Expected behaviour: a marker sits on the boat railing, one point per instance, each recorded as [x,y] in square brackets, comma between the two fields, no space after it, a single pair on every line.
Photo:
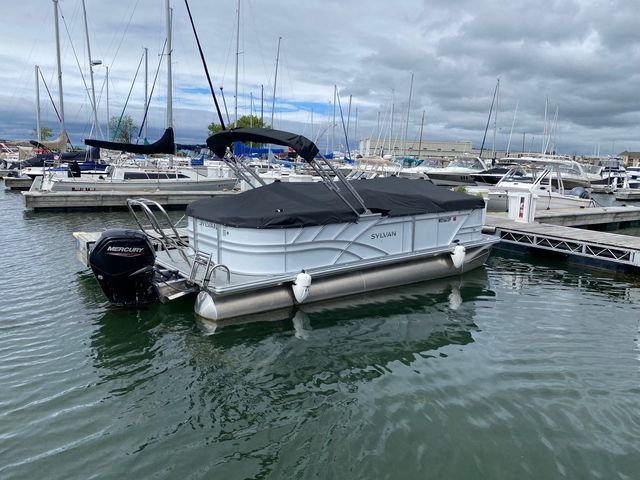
[201,259]
[171,242]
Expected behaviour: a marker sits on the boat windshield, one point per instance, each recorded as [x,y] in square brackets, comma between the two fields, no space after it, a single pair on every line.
[565,167]
[463,162]
[592,169]
[520,174]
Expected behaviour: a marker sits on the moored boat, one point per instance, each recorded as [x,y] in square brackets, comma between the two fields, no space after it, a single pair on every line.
[285,244]
[459,172]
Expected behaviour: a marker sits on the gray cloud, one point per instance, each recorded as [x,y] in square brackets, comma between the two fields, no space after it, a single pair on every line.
[581,55]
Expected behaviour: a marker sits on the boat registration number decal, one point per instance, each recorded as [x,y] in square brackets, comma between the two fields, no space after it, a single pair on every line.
[446,219]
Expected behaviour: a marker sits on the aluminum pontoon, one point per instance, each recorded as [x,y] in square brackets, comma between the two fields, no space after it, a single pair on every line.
[287,244]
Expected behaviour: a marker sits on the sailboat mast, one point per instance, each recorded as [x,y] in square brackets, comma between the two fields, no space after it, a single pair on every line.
[420,141]
[108,118]
[495,119]
[96,125]
[355,128]
[515,113]
[146,89]
[486,127]
[235,108]
[38,132]
[275,81]
[406,125]
[544,133]
[393,94]
[349,115]
[169,76]
[58,61]
[333,124]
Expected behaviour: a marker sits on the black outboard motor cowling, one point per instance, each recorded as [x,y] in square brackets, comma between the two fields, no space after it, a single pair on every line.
[123,262]
[580,192]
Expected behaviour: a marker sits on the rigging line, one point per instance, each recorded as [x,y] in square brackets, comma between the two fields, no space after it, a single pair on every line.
[206,68]
[344,128]
[21,83]
[115,55]
[117,129]
[153,86]
[54,105]
[86,87]
[226,62]
[254,28]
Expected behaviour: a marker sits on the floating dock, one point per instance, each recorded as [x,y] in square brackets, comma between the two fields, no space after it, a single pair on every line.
[95,200]
[597,249]
[18,183]
[611,218]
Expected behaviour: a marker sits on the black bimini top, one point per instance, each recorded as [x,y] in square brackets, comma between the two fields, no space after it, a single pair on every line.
[293,204]
[218,142]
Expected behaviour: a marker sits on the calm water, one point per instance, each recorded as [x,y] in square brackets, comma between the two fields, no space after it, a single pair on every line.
[524,369]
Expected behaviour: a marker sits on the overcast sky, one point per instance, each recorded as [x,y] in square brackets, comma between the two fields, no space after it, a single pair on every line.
[580,58]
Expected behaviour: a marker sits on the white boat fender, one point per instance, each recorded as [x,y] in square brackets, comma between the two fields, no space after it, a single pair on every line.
[458,255]
[301,286]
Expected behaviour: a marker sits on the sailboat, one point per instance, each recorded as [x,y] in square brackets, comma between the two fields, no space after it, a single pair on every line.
[127,176]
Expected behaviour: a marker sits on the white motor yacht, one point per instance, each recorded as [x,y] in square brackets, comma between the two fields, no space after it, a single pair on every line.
[541,183]
[458,172]
[572,173]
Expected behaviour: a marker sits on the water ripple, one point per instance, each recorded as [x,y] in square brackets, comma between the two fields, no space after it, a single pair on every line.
[526,369]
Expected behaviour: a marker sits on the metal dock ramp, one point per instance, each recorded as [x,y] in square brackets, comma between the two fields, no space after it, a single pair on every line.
[594,248]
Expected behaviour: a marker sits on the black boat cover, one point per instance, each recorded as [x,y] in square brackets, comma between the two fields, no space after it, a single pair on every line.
[164,145]
[218,142]
[40,159]
[292,204]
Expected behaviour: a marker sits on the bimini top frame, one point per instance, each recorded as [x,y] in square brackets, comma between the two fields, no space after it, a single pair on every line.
[219,142]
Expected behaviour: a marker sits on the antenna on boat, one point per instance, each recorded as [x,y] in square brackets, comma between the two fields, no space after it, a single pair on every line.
[206,69]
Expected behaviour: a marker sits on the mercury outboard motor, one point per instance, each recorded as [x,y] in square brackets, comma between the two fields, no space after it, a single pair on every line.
[580,192]
[123,262]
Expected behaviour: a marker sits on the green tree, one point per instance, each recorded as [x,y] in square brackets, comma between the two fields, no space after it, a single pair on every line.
[243,121]
[122,130]
[45,133]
